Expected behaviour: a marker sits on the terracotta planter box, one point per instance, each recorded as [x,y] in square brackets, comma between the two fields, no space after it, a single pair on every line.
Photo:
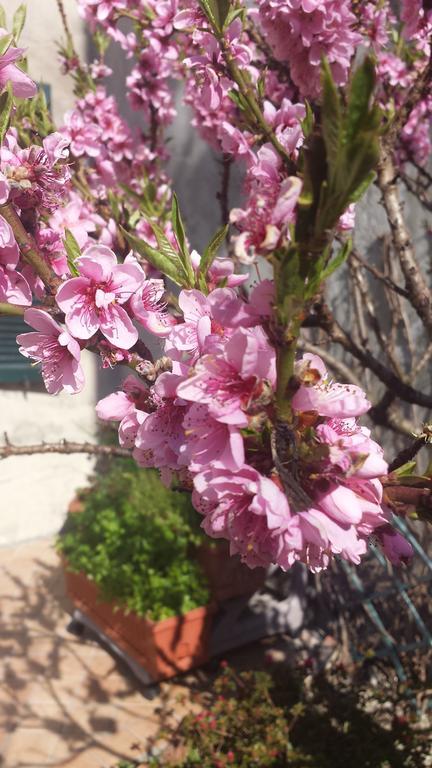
[163,648]
[227,576]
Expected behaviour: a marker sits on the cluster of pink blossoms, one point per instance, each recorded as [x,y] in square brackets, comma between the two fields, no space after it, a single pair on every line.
[207,422]
[204,413]
[301,32]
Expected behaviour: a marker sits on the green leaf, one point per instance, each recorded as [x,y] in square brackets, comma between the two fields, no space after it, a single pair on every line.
[233,14]
[180,234]
[178,226]
[3,21]
[5,43]
[18,22]
[73,251]
[223,9]
[6,103]
[160,261]
[362,187]
[359,98]
[331,118]
[308,121]
[405,469]
[211,250]
[337,260]
[238,99]
[211,10]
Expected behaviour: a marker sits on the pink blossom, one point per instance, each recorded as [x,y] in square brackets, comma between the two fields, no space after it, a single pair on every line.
[34,175]
[272,200]
[84,137]
[4,189]
[149,309]
[52,247]
[160,437]
[9,253]
[53,347]
[93,300]
[209,442]
[129,406]
[77,216]
[220,270]
[351,450]
[199,329]
[301,32]
[22,85]
[247,509]
[230,382]
[318,393]
[395,546]
[14,288]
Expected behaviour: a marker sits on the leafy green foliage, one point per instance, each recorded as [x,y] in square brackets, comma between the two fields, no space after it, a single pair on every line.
[18,21]
[167,262]
[179,231]
[33,113]
[240,726]
[135,538]
[216,11]
[6,102]
[351,137]
[337,164]
[73,251]
[5,43]
[249,720]
[209,256]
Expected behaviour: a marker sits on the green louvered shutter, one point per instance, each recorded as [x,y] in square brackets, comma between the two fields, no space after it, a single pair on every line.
[14,367]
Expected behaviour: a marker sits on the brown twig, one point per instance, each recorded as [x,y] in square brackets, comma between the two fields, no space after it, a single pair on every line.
[379,275]
[223,194]
[13,310]
[29,249]
[325,320]
[407,454]
[64,446]
[415,283]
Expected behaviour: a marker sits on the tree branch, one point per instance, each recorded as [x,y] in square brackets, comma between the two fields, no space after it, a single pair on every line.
[64,446]
[407,454]
[29,249]
[325,320]
[415,283]
[14,310]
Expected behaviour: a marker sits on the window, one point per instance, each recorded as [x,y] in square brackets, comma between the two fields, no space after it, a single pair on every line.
[15,369]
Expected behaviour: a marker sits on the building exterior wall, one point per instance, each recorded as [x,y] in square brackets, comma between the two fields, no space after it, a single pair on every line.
[35,490]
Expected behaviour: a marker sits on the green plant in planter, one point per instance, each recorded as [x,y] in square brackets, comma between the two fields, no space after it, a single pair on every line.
[134,539]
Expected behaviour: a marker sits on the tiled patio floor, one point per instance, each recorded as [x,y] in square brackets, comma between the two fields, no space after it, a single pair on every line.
[64,701]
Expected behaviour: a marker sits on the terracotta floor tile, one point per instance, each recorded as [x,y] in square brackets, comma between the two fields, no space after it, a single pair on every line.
[94,758]
[65,702]
[28,747]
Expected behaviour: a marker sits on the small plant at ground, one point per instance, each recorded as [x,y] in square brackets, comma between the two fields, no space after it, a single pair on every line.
[254,720]
[134,539]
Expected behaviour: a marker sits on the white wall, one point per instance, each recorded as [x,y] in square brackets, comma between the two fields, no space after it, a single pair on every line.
[36,490]
[42,31]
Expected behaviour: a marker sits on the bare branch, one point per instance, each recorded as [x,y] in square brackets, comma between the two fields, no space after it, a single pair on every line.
[380,275]
[13,310]
[64,446]
[325,320]
[408,454]
[415,283]
[29,249]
